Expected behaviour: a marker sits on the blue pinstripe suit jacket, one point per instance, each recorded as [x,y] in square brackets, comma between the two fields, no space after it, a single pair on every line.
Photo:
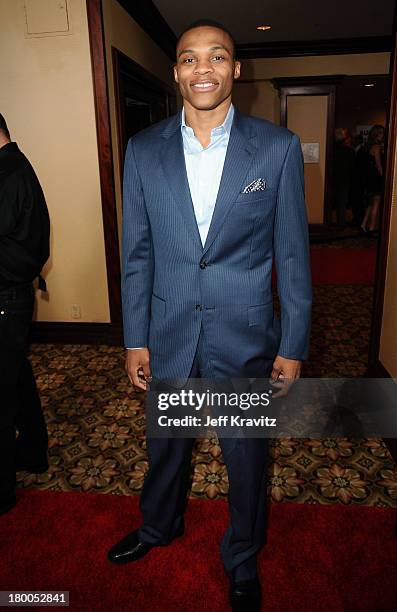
[167,295]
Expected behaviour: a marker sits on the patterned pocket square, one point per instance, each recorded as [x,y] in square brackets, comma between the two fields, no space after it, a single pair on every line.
[256,185]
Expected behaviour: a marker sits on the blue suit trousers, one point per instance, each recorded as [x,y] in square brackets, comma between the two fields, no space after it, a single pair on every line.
[164,494]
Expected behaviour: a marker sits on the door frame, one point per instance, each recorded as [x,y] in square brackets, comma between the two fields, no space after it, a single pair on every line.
[375,366]
[314,86]
[135,70]
[106,168]
[114,330]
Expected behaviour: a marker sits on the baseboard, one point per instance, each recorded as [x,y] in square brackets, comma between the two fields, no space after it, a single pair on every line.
[376,369]
[76,333]
[391,444]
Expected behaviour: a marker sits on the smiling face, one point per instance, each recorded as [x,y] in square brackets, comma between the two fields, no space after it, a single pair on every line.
[205,68]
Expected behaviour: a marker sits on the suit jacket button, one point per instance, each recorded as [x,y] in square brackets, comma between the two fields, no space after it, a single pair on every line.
[203,264]
[199,307]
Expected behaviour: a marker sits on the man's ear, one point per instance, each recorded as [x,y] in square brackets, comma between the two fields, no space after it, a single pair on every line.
[176,74]
[237,67]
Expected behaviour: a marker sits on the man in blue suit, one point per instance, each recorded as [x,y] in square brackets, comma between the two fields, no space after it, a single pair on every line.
[211,198]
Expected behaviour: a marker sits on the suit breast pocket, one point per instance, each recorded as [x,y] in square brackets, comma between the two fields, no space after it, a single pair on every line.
[256,198]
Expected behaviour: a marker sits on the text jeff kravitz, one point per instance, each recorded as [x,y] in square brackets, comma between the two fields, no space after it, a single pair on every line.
[225,420]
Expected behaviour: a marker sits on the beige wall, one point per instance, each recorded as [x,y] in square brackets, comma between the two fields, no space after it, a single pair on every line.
[47,99]
[255,95]
[388,339]
[257,98]
[307,116]
[260,98]
[358,63]
[127,36]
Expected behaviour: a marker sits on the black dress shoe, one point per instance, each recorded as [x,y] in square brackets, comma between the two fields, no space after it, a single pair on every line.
[128,549]
[245,596]
[131,548]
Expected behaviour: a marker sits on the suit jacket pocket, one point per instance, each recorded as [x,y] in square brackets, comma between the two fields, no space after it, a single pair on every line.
[262,314]
[256,196]
[158,309]
[157,333]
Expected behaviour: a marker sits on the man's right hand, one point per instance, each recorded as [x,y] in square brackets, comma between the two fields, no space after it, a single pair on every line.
[137,365]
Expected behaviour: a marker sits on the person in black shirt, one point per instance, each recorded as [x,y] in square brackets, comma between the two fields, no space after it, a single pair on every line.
[373,164]
[24,249]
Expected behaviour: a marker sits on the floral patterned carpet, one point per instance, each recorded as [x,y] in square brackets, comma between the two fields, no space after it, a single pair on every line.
[96,422]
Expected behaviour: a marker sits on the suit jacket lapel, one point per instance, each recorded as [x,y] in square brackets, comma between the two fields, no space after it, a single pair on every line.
[238,159]
[173,161]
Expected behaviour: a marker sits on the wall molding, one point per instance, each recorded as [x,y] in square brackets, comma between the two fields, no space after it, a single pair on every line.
[105,158]
[376,369]
[146,14]
[76,333]
[306,48]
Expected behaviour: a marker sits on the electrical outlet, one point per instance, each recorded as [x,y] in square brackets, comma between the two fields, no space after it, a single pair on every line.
[75,311]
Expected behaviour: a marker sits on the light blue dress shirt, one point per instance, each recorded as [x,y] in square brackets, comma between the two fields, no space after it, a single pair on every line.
[204,166]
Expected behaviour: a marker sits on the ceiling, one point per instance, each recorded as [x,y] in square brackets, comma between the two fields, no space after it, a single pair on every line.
[291,20]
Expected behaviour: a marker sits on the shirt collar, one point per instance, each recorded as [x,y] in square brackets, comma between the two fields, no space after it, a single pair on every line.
[226,125]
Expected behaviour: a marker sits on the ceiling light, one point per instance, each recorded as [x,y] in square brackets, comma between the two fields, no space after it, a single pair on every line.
[369,84]
[263,27]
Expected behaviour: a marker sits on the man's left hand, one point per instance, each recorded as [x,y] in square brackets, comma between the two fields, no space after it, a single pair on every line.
[284,373]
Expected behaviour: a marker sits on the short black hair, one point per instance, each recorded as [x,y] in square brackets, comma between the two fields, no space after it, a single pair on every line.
[3,126]
[209,23]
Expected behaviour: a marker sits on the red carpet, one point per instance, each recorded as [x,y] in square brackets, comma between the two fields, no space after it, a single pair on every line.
[317,557]
[343,266]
